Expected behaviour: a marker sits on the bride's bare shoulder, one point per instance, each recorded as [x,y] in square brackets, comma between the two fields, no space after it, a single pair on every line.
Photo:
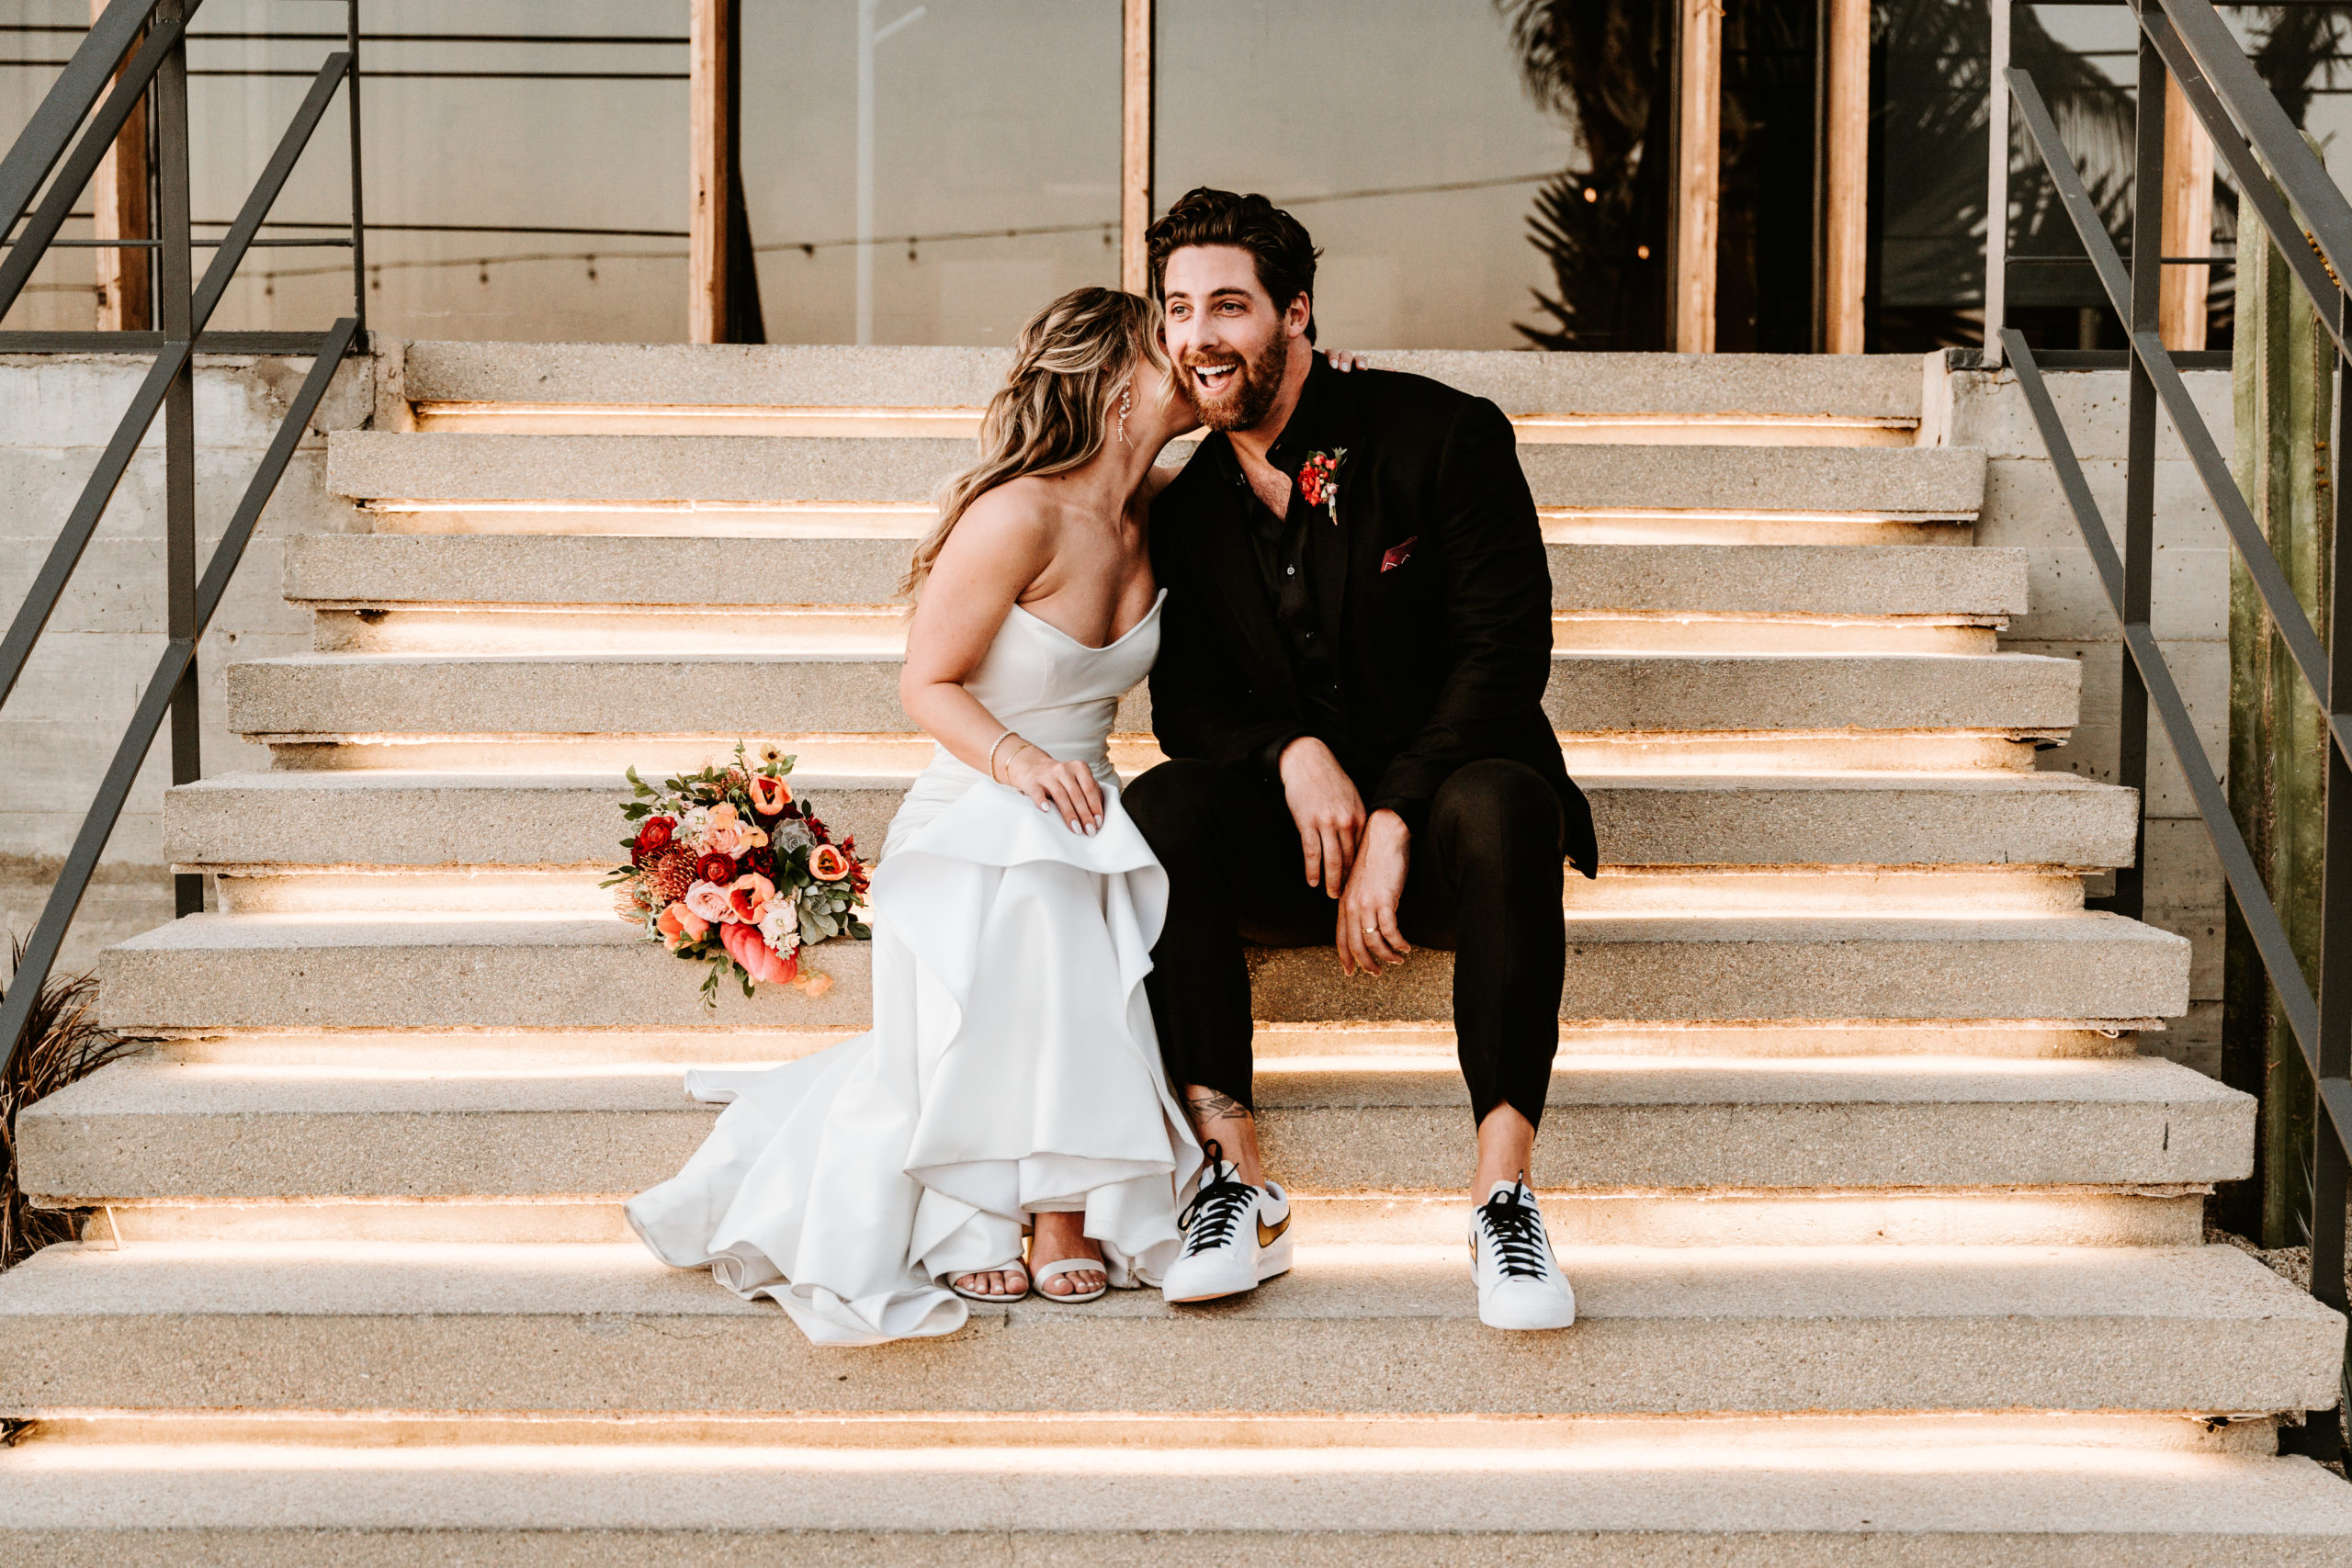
[1012,512]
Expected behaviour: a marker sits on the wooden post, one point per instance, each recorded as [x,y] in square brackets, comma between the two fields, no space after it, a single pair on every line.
[2188,224]
[1996,189]
[2283,374]
[118,205]
[1845,203]
[708,44]
[1136,147]
[1698,157]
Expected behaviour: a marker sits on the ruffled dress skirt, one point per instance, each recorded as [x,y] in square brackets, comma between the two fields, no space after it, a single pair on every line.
[1011,1069]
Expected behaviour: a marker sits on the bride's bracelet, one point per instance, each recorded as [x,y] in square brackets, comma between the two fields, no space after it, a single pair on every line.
[1000,741]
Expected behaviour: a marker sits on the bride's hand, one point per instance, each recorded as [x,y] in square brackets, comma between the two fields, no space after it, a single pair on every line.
[1067,787]
[1346,359]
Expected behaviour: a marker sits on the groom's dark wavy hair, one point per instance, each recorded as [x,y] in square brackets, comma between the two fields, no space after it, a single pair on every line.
[1276,242]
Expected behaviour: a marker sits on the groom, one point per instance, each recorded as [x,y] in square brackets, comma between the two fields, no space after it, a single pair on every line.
[1353,654]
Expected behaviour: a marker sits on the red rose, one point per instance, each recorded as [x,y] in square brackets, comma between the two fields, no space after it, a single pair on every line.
[654,835]
[716,868]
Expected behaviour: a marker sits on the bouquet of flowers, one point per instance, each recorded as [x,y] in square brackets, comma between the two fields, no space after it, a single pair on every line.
[724,868]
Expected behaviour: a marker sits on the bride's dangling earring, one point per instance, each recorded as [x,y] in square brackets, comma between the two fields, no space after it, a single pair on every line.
[1126,402]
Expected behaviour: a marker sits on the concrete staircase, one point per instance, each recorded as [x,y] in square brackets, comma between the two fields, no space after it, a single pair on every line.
[1888,1246]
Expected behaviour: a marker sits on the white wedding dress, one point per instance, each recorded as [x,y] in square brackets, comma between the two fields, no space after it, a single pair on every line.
[1012,1067]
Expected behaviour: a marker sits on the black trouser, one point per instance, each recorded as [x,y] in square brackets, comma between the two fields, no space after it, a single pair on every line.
[1483,881]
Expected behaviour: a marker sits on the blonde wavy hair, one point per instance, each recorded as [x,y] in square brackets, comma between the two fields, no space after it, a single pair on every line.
[1056,409]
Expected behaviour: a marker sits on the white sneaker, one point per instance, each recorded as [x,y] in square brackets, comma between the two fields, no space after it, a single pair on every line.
[1519,1283]
[1236,1235]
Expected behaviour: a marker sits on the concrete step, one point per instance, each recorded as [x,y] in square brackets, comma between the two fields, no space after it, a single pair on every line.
[1368,1330]
[393,572]
[155,1127]
[2171,1215]
[495,594]
[1880,484]
[1880,387]
[1627,1504]
[399,818]
[882,630]
[212,973]
[775,694]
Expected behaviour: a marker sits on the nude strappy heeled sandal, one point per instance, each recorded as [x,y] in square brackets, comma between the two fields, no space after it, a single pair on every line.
[1061,1266]
[1015,1267]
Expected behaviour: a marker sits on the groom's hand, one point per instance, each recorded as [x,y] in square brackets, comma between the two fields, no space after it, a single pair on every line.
[1329,811]
[1368,937]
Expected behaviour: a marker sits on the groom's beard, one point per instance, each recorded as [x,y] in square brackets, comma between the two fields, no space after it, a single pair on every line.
[1249,392]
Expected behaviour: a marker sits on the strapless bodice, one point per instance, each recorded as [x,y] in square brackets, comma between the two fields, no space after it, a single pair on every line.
[1057,692]
[1051,689]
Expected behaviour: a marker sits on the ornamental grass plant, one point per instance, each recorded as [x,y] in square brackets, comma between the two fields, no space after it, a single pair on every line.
[63,1042]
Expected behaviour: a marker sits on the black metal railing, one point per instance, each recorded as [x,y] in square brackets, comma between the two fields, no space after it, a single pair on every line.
[138,49]
[2311,223]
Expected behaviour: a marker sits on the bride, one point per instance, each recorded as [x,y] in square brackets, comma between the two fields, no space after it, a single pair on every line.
[1011,1081]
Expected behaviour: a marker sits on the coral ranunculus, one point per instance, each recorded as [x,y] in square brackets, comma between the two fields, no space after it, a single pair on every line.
[747,947]
[748,899]
[769,796]
[654,835]
[679,926]
[827,863]
[709,900]
[715,867]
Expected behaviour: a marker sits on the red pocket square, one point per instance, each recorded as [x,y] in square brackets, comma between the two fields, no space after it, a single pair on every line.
[1400,555]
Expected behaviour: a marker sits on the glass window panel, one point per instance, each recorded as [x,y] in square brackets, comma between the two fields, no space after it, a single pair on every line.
[505,155]
[1346,112]
[995,162]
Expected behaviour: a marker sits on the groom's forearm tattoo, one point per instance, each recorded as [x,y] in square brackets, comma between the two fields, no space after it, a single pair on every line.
[1208,1105]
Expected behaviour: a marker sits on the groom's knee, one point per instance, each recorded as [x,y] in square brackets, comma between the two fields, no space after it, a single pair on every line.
[1501,819]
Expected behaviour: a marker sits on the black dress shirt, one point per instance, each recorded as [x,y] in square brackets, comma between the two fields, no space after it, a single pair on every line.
[1287,570]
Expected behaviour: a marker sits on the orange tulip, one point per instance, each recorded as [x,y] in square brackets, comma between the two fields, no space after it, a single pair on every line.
[827,863]
[747,896]
[769,796]
[679,926]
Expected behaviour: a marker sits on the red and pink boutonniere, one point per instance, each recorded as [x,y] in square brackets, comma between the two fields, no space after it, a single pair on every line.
[1318,480]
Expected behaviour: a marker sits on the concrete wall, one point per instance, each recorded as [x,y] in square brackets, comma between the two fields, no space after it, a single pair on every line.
[59,728]
[2070,618]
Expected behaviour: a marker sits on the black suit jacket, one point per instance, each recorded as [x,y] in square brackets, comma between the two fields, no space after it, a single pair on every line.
[1433,590]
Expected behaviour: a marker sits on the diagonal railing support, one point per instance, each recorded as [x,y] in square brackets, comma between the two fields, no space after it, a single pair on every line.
[178,660]
[2286,189]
